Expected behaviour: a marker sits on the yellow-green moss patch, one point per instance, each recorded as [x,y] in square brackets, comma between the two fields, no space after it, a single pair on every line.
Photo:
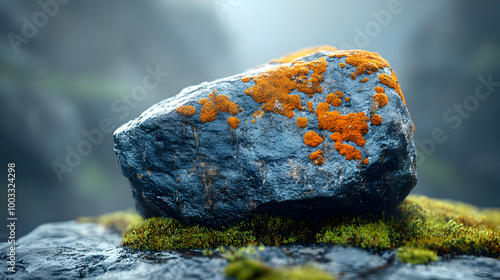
[250,269]
[166,233]
[419,222]
[416,255]
[118,221]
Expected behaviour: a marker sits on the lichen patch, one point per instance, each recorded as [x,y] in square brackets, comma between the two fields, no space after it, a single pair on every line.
[186,110]
[218,103]
[274,86]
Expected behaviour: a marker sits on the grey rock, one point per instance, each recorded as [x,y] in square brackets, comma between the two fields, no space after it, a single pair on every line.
[69,250]
[214,175]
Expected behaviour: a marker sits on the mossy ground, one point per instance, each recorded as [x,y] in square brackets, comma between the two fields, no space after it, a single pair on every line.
[250,269]
[441,226]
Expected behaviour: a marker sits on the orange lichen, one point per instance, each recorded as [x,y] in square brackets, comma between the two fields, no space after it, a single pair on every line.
[302,122]
[311,86]
[214,104]
[392,81]
[310,106]
[381,99]
[349,127]
[312,139]
[412,125]
[224,105]
[303,52]
[317,157]
[387,80]
[336,137]
[209,110]
[334,99]
[348,151]
[363,60]
[376,119]
[186,110]
[371,61]
[273,87]
[259,114]
[233,122]
[318,66]
[321,108]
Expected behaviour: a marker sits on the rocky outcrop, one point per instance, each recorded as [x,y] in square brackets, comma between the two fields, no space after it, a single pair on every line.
[317,133]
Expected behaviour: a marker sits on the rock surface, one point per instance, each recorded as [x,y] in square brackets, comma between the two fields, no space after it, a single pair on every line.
[325,134]
[68,250]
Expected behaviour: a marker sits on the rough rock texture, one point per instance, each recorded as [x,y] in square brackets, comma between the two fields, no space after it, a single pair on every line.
[325,134]
[68,250]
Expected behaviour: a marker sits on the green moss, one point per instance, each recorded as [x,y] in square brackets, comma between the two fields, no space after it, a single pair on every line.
[250,269]
[247,269]
[359,233]
[457,228]
[416,255]
[437,225]
[165,233]
[118,221]
[245,265]
[232,253]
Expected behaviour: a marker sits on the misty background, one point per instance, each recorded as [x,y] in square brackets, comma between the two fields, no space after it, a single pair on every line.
[66,66]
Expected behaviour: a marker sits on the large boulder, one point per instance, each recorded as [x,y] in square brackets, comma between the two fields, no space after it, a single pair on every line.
[319,132]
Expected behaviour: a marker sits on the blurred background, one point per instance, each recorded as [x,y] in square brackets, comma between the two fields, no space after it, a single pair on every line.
[67,67]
